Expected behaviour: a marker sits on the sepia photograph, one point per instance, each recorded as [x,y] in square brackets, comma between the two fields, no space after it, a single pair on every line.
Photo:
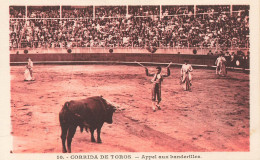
[127,81]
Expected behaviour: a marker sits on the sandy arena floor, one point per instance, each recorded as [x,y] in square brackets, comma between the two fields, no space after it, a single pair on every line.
[214,116]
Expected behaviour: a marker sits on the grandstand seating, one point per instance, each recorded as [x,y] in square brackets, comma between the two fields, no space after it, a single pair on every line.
[129,26]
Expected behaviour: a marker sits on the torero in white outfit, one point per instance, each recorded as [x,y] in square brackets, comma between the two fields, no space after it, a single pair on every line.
[218,64]
[28,75]
[221,65]
[186,69]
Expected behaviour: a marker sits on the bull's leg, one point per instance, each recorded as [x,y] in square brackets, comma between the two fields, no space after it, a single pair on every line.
[72,130]
[64,130]
[92,135]
[98,135]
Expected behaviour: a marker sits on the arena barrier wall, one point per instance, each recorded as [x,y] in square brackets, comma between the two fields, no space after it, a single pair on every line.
[207,60]
[200,51]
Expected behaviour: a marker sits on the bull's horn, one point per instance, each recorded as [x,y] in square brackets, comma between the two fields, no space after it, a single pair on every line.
[115,108]
[109,102]
[116,105]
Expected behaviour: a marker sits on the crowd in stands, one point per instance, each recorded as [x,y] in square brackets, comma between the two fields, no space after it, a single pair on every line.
[177,10]
[144,10]
[240,8]
[138,30]
[110,11]
[43,12]
[77,12]
[17,11]
[210,9]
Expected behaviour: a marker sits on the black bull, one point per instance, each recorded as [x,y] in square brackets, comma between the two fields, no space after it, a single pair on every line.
[87,113]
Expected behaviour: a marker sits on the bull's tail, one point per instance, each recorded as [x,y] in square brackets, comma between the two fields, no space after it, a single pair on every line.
[63,113]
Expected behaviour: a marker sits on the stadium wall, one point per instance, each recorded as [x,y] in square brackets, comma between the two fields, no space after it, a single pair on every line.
[208,60]
[200,51]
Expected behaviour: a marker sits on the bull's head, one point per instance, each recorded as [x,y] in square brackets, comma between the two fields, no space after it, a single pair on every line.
[109,115]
